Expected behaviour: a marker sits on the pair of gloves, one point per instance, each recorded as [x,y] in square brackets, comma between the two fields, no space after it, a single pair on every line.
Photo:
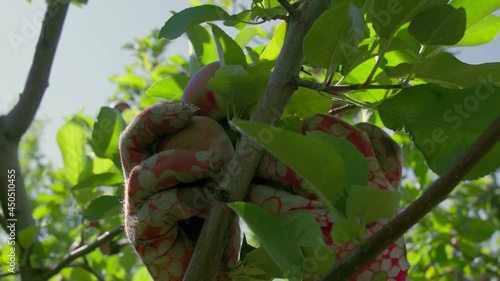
[167,195]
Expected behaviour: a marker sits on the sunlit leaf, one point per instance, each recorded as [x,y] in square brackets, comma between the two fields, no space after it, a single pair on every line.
[273,49]
[481,32]
[447,70]
[334,36]
[444,122]
[370,204]
[176,25]
[301,154]
[170,88]
[103,207]
[273,237]
[229,51]
[106,132]
[71,138]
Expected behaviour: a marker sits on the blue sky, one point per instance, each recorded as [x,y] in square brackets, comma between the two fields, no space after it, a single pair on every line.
[90,51]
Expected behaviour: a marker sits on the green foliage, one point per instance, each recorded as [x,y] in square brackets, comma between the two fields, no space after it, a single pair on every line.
[439,25]
[444,122]
[334,36]
[361,42]
[180,22]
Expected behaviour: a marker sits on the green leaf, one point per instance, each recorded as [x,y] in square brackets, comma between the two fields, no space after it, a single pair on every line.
[319,259]
[258,265]
[204,49]
[476,10]
[476,229]
[71,138]
[347,230]
[233,85]
[229,51]
[273,238]
[371,204]
[252,55]
[439,25]
[170,88]
[106,132]
[273,49]
[239,20]
[269,13]
[27,236]
[301,154]
[182,21]
[104,179]
[334,36]
[388,16]
[481,32]
[306,102]
[444,122]
[447,70]
[301,226]
[244,36]
[103,207]
[130,80]
[355,163]
[306,232]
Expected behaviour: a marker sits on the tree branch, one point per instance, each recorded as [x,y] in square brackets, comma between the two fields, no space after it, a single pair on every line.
[16,122]
[79,252]
[248,153]
[292,11]
[435,194]
[342,88]
[22,115]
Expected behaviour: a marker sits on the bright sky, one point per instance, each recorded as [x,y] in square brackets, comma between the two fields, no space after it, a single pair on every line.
[90,51]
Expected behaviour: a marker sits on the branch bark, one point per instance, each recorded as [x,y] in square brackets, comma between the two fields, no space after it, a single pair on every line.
[17,121]
[207,256]
[435,194]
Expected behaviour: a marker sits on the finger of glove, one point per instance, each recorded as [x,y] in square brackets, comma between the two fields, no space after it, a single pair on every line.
[157,236]
[168,169]
[140,136]
[165,229]
[387,151]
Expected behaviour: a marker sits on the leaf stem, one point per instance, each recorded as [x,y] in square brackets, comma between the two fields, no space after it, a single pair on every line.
[380,55]
[414,66]
[435,194]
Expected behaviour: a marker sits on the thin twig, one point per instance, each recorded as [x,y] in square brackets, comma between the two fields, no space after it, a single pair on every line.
[248,153]
[336,89]
[79,252]
[294,13]
[435,194]
[342,109]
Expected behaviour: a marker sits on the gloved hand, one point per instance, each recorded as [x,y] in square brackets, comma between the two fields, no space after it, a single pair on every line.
[165,194]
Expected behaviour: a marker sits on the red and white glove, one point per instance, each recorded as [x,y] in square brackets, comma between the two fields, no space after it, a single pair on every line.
[166,195]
